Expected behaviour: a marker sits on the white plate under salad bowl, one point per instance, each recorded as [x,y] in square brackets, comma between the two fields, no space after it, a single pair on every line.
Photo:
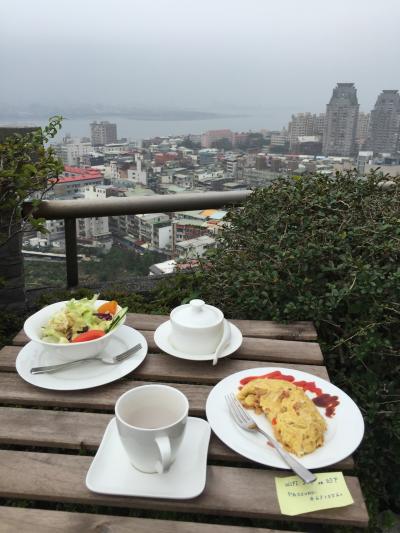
[85,376]
[71,351]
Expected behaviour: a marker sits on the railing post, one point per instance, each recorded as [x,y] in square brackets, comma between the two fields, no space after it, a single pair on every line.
[71,252]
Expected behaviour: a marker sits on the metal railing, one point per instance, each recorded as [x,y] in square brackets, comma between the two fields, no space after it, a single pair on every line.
[70,210]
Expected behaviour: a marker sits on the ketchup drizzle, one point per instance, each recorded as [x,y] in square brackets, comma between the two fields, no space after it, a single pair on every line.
[327,401]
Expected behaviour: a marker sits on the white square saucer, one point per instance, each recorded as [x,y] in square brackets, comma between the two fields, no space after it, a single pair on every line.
[112,473]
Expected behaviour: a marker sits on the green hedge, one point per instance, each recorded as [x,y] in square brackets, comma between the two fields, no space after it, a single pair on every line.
[327,250]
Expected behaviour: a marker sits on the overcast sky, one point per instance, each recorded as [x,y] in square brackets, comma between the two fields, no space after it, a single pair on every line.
[198,54]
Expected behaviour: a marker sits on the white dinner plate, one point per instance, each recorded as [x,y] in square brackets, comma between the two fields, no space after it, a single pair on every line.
[162,339]
[87,375]
[344,433]
[112,473]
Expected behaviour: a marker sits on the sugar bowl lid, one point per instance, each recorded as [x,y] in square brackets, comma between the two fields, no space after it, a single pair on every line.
[196,314]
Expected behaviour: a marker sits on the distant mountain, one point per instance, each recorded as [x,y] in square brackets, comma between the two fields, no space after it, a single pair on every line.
[36,111]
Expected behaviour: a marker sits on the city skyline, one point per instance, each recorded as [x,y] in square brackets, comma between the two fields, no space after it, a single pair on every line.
[313,125]
[222,57]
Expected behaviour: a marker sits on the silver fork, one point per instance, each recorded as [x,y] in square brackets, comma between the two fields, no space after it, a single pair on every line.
[244,420]
[63,366]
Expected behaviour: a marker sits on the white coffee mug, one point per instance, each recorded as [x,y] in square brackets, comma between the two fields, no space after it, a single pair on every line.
[151,421]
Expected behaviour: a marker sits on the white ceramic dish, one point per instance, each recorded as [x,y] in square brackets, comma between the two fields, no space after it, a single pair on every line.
[112,473]
[344,434]
[71,351]
[197,327]
[162,339]
[87,375]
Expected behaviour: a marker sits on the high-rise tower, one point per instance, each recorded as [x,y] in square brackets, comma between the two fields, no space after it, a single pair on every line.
[103,133]
[341,121]
[384,126]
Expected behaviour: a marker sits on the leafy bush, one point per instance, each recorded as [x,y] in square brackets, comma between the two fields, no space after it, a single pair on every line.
[28,170]
[327,250]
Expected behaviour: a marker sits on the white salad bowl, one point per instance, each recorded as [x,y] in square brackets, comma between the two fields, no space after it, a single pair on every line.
[71,351]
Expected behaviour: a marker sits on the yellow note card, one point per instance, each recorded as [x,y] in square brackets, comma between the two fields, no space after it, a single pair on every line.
[328,491]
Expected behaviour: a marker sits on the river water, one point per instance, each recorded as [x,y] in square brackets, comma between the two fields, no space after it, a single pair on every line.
[137,130]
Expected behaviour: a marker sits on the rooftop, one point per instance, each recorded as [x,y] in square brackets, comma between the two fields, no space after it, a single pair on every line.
[198,241]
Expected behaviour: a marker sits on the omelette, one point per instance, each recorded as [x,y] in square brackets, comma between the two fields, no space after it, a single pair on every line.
[296,422]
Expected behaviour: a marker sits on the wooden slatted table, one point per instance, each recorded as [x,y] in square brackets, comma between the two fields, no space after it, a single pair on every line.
[48,439]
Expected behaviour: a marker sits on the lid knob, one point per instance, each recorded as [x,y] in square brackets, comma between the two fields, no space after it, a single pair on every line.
[197,305]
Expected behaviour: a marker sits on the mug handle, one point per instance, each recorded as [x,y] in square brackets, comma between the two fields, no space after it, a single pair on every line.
[164,447]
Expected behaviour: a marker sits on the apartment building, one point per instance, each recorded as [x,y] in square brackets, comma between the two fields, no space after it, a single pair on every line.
[103,133]
[115,149]
[384,127]
[233,165]
[185,229]
[207,156]
[301,124]
[193,248]
[186,180]
[308,145]
[341,121]
[305,125]
[160,158]
[189,225]
[95,230]
[55,233]
[73,181]
[280,139]
[208,138]
[319,124]
[152,228]
[74,153]
[139,174]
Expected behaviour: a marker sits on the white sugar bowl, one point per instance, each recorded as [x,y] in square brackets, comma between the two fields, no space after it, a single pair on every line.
[196,328]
